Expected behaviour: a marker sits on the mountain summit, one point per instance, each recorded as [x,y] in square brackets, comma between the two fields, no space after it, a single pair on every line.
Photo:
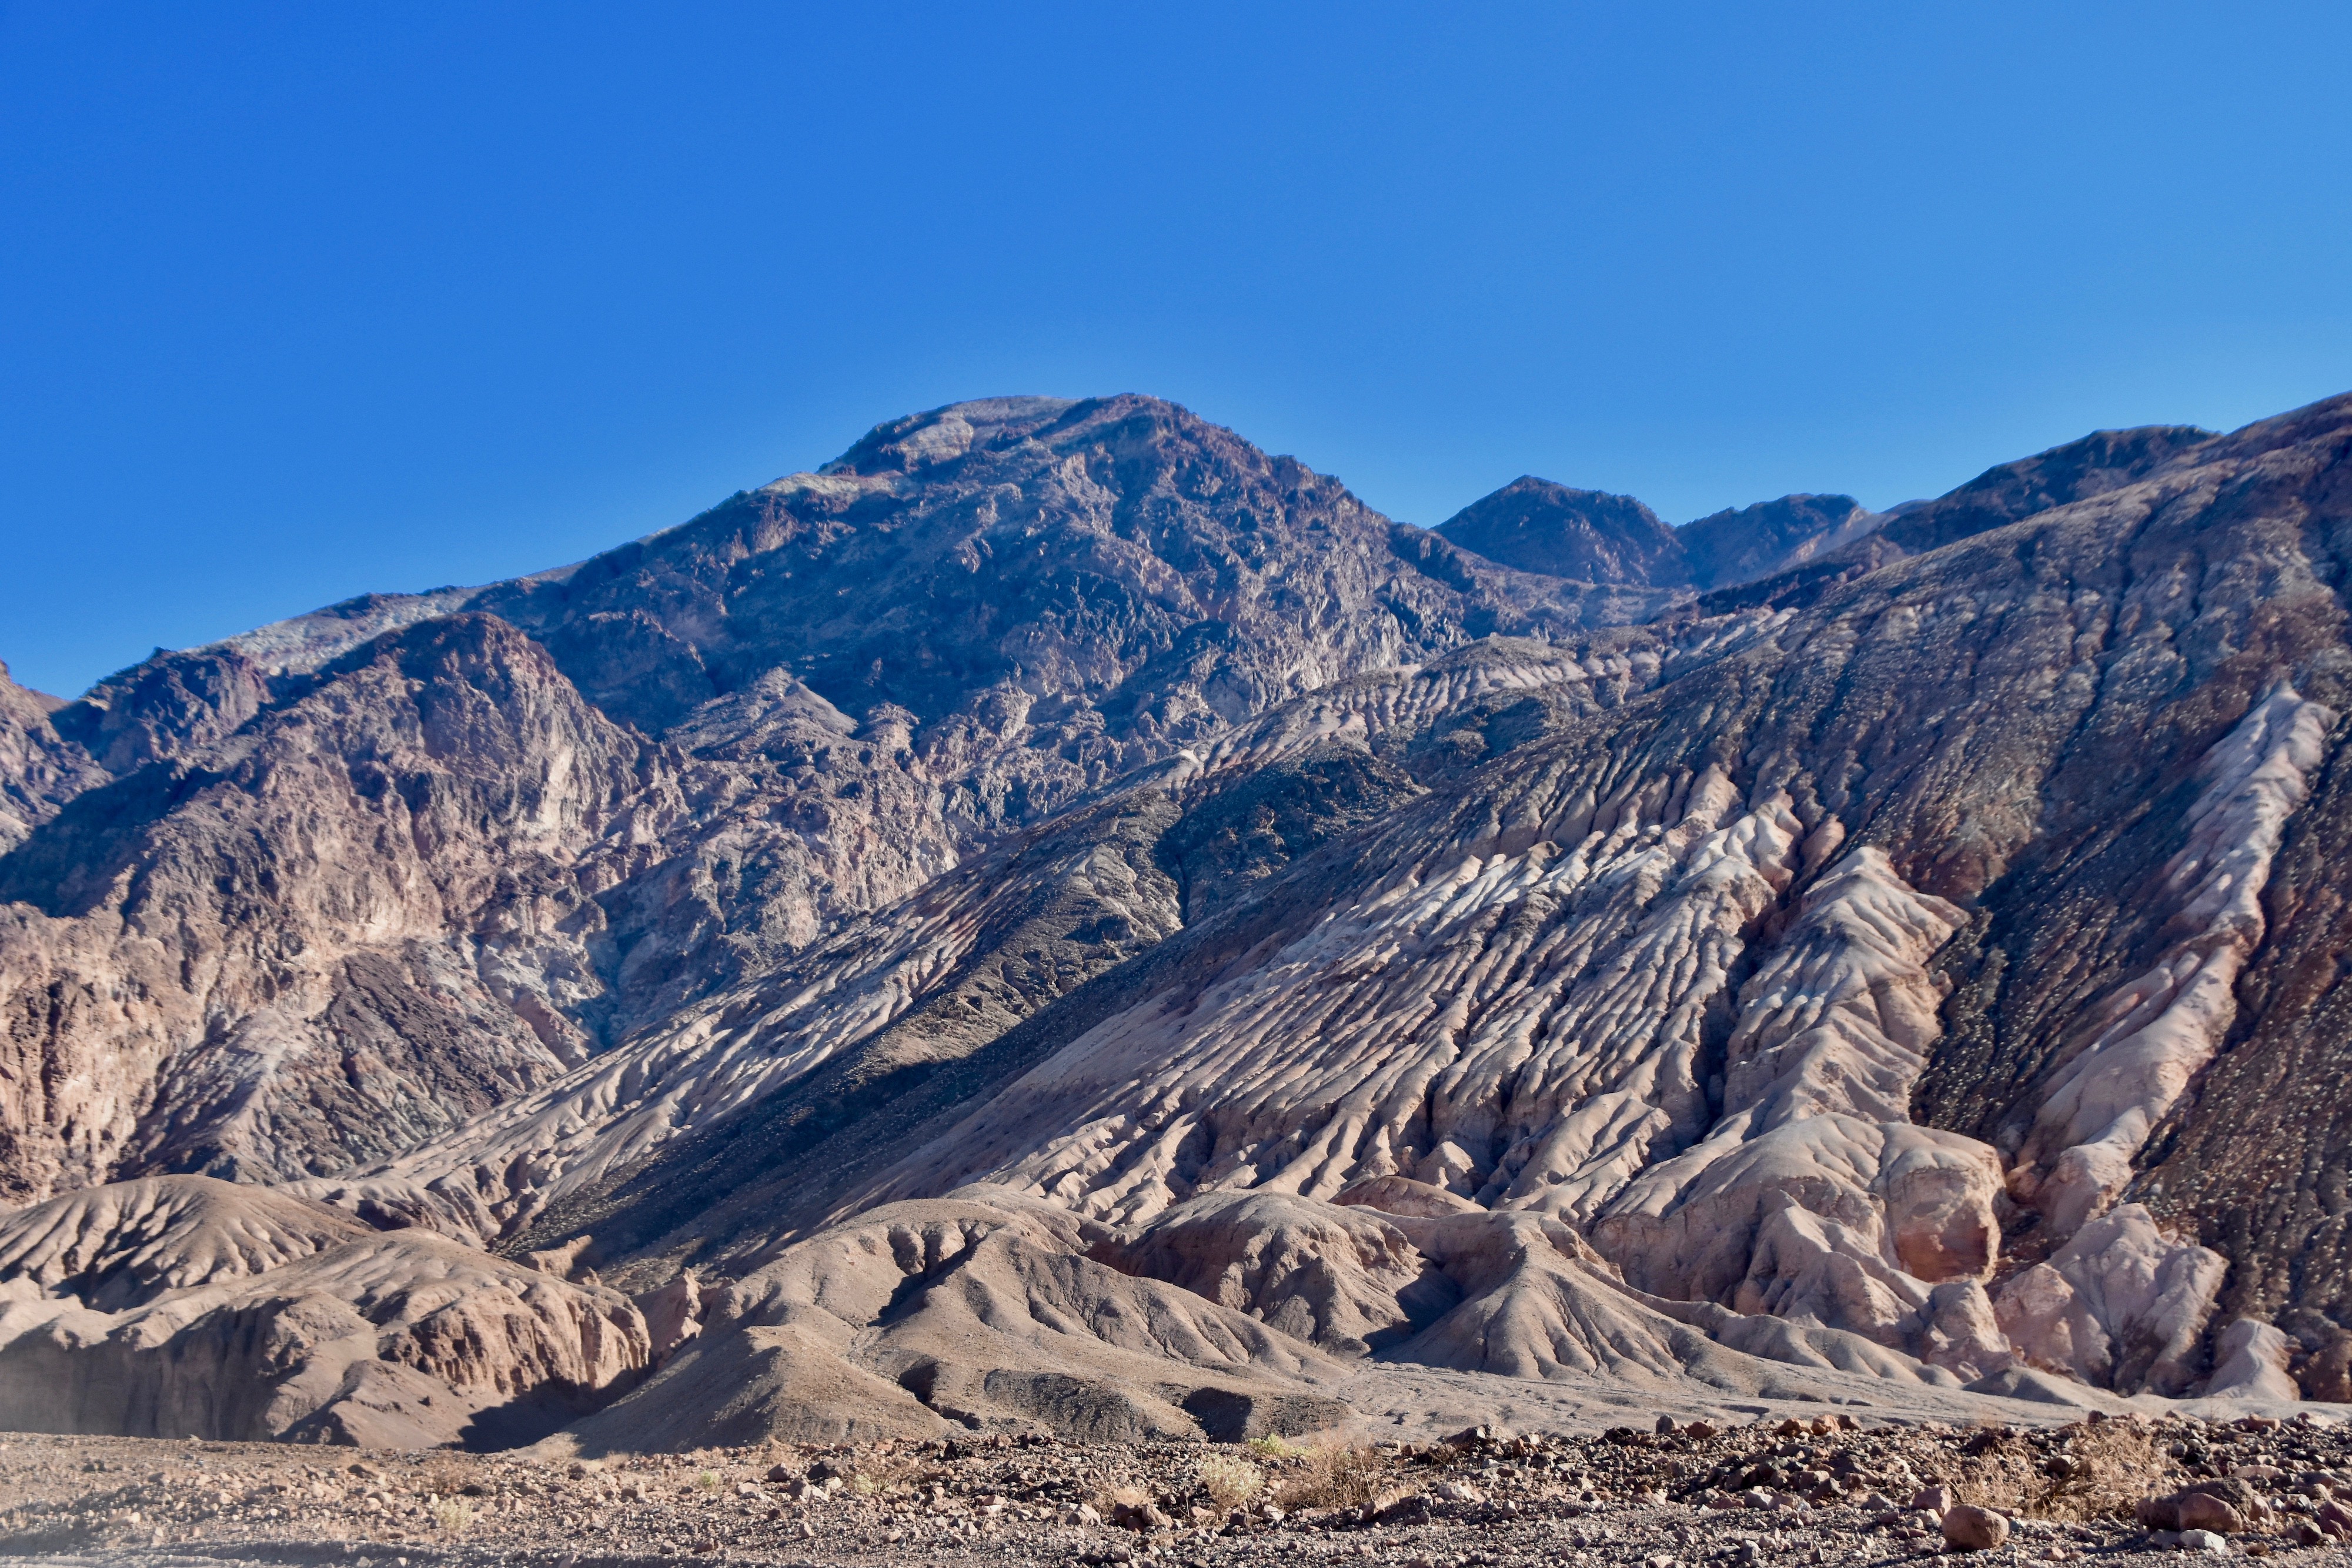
[1591,537]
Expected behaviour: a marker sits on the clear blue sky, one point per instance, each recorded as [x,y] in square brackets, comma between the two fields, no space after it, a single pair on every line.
[298,301]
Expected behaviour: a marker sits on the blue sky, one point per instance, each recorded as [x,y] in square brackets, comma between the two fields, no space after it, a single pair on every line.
[301,301]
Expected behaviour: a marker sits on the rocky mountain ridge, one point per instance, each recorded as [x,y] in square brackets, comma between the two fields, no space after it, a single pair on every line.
[1589,536]
[1870,942]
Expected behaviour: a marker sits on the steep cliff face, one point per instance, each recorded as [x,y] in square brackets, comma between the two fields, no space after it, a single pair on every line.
[352,925]
[1889,955]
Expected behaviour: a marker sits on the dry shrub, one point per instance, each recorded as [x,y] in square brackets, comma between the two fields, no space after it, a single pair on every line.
[1335,1477]
[452,1515]
[442,1476]
[2117,1464]
[879,1473]
[1998,1476]
[1230,1479]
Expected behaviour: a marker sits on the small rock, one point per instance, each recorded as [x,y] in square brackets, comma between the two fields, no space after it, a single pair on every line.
[1974,1529]
[2202,1540]
[782,1473]
[1934,1499]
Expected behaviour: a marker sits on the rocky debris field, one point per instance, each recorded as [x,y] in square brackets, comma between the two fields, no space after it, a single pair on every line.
[1824,1491]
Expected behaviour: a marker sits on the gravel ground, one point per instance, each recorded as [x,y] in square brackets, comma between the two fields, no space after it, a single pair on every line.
[1821,1492]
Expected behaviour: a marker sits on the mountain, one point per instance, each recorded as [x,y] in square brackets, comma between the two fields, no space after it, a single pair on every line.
[535,817]
[1590,536]
[1593,538]
[1326,969]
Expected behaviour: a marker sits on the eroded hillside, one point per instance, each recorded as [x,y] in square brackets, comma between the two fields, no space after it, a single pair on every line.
[1167,889]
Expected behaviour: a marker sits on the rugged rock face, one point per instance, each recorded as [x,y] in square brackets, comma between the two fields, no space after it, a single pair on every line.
[1581,918]
[39,771]
[1234,1315]
[712,747]
[344,931]
[1081,859]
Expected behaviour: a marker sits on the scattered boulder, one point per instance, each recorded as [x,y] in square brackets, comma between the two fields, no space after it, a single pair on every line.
[1974,1529]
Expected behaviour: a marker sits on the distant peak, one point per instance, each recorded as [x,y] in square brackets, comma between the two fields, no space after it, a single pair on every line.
[1589,536]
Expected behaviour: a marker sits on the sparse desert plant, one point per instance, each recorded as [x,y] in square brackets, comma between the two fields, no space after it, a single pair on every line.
[2111,1466]
[1336,1477]
[706,1481]
[1275,1448]
[452,1515]
[1230,1479]
[442,1477]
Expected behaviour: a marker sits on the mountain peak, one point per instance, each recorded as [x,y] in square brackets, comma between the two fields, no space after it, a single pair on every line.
[1589,536]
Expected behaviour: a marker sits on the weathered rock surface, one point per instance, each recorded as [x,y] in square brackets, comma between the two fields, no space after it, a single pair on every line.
[1508,990]
[713,747]
[39,770]
[1589,536]
[341,935]
[1346,965]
